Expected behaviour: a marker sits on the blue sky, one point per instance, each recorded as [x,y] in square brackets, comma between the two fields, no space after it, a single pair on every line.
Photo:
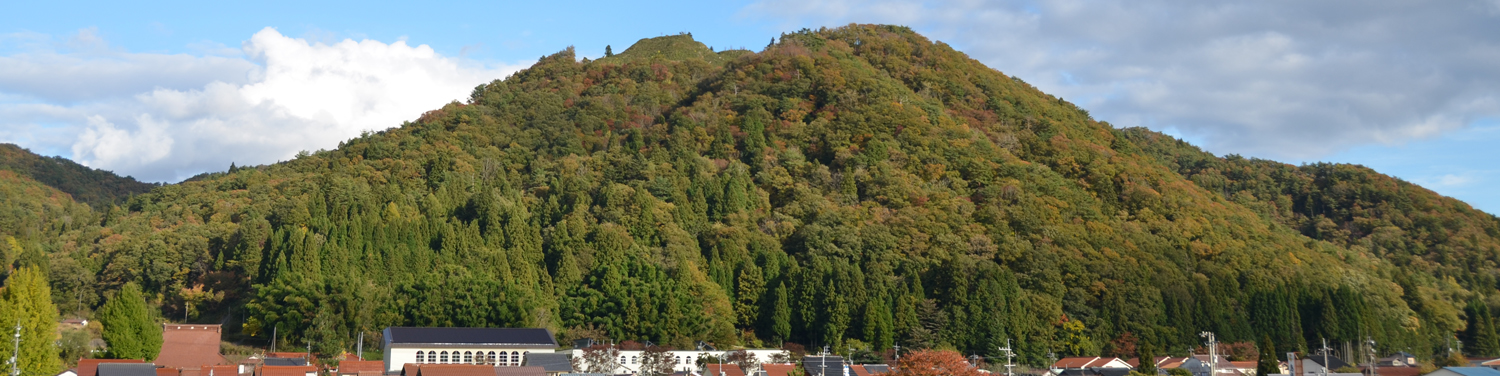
[168,90]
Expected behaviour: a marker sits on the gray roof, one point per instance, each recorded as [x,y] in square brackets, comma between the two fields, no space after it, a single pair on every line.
[878,368]
[553,362]
[1333,361]
[823,365]
[1466,371]
[127,369]
[537,337]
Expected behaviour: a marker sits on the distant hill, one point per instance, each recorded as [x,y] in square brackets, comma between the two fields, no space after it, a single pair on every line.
[92,186]
[860,186]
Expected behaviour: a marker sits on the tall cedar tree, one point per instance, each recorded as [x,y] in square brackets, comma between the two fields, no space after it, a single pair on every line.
[129,327]
[1267,363]
[27,301]
[1146,359]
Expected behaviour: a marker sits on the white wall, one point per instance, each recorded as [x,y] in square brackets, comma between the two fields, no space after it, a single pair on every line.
[687,360]
[396,357]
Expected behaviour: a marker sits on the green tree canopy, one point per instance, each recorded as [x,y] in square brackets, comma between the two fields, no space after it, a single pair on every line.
[27,301]
[130,328]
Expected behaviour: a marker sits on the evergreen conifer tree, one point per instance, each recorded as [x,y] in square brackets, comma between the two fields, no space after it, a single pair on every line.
[27,301]
[1267,364]
[129,328]
[608,51]
[781,316]
[1147,358]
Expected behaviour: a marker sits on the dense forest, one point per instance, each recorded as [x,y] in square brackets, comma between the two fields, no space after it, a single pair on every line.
[855,186]
[87,185]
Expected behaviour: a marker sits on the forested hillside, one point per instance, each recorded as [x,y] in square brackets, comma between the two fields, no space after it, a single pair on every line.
[94,187]
[858,183]
[1429,240]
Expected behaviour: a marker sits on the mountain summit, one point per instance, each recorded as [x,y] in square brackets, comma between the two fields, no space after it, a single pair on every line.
[857,186]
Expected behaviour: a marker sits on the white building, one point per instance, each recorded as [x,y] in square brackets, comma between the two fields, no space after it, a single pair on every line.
[630,361]
[497,346]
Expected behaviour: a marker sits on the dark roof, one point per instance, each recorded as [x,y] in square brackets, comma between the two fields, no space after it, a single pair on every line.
[1106,371]
[823,365]
[90,367]
[1333,362]
[127,369]
[552,362]
[471,336]
[284,362]
[878,368]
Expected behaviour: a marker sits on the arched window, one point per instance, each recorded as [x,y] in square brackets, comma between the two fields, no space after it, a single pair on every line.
[444,357]
[421,357]
[635,360]
[515,358]
[468,357]
[490,359]
[677,359]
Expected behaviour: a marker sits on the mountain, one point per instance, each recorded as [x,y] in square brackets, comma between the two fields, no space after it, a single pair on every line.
[856,186]
[92,186]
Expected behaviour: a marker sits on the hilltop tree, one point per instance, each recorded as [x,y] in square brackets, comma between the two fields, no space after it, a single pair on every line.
[27,301]
[608,51]
[130,330]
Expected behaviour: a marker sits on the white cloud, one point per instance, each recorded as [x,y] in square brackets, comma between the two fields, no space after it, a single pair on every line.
[168,117]
[1283,79]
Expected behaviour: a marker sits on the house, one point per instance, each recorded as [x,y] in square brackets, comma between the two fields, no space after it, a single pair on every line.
[448,370]
[358,368]
[1086,362]
[1314,365]
[554,363]
[631,361]
[187,348]
[1465,371]
[283,362]
[1398,371]
[67,372]
[90,367]
[722,370]
[520,371]
[126,369]
[270,370]
[491,346]
[824,366]
[209,370]
[870,369]
[778,369]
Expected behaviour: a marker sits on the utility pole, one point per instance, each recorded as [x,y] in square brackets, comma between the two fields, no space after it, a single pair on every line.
[1213,353]
[1370,355]
[1325,356]
[1052,360]
[359,348]
[897,350]
[273,337]
[15,365]
[1009,354]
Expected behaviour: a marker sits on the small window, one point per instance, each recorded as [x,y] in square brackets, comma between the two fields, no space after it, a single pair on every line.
[468,357]
[491,358]
[677,359]
[421,357]
[635,360]
[515,358]
[444,356]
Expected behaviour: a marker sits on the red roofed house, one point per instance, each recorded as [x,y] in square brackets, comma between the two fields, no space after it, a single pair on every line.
[773,369]
[1086,362]
[448,370]
[288,371]
[90,367]
[722,370]
[356,367]
[189,347]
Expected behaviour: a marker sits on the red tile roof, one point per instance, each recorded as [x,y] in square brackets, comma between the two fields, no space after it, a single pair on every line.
[357,366]
[723,370]
[773,369]
[219,371]
[166,371]
[859,370]
[189,346]
[90,367]
[287,370]
[1398,371]
[1081,362]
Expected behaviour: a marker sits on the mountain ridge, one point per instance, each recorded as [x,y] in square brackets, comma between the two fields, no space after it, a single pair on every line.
[858,185]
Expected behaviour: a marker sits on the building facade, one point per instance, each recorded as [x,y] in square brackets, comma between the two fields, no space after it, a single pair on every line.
[502,347]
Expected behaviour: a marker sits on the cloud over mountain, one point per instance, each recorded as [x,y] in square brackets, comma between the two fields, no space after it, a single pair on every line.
[283,95]
[1282,79]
